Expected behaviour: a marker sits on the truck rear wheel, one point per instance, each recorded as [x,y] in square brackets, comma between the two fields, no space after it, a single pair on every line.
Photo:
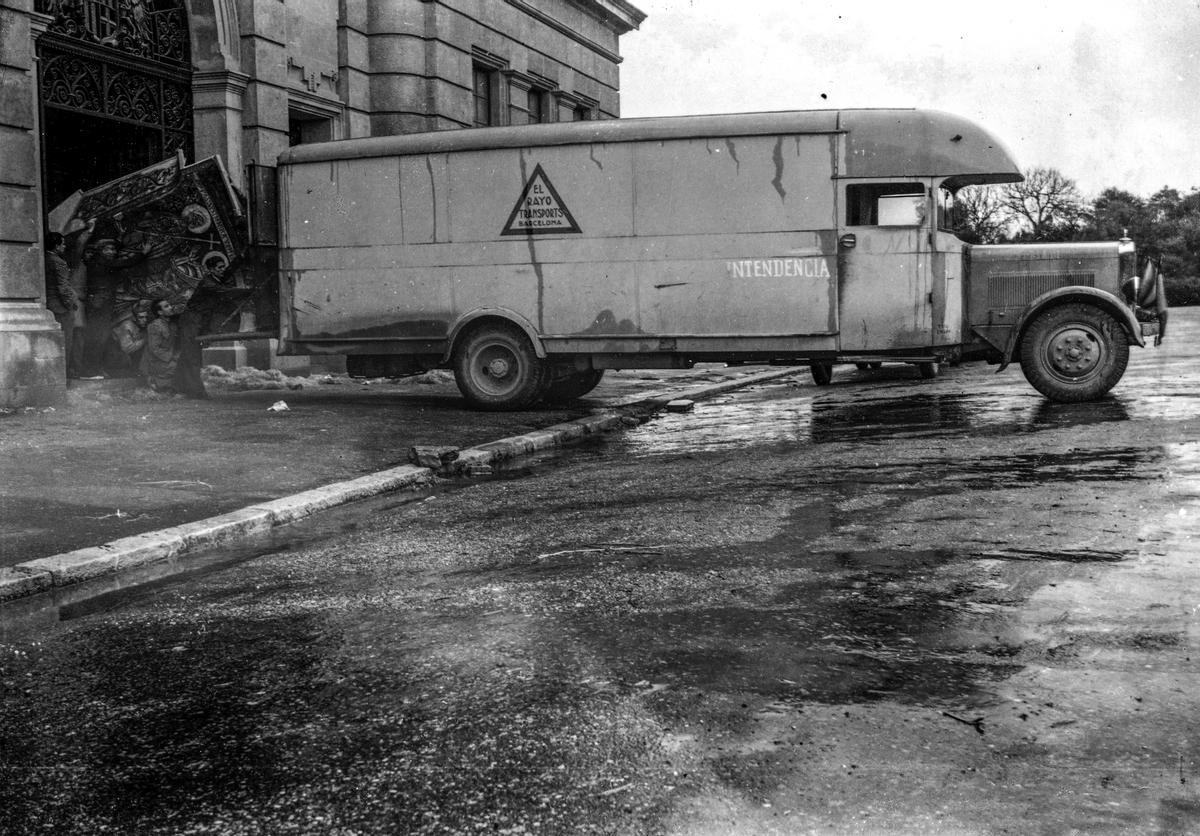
[496,368]
[822,373]
[574,385]
[1074,352]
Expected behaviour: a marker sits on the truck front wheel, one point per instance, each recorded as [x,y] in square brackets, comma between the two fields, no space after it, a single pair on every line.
[496,368]
[1073,353]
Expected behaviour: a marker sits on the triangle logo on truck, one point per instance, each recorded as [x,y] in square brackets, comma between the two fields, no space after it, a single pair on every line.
[539,210]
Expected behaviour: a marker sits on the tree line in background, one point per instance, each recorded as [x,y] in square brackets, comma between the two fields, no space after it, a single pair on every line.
[1048,206]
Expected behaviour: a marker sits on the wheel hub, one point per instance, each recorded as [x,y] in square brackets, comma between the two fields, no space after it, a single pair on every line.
[497,367]
[1075,352]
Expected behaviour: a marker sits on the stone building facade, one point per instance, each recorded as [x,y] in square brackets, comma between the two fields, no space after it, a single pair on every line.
[94,89]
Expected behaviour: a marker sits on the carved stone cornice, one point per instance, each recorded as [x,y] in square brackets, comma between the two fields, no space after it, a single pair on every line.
[219,88]
[563,29]
[229,81]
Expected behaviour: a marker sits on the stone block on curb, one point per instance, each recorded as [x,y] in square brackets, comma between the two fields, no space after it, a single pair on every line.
[681,405]
[72,567]
[479,460]
[432,457]
[473,462]
[602,423]
[213,530]
[17,584]
[141,549]
[570,432]
[297,506]
[85,564]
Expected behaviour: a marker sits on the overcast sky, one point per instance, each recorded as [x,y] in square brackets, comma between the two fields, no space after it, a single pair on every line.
[1106,92]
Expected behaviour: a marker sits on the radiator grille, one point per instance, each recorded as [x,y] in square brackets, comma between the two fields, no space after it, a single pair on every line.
[1016,290]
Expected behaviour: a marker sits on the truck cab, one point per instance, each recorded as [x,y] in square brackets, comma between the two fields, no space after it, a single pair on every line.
[1067,313]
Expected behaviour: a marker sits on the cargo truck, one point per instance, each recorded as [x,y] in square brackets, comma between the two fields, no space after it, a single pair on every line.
[531,259]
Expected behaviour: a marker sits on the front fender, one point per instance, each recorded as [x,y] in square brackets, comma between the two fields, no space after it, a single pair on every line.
[1100,298]
[493,313]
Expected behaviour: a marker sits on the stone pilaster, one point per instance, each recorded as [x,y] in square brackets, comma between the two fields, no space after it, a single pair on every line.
[217,98]
[32,372]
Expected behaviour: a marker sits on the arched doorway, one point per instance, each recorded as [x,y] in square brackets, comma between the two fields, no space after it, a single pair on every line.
[114,78]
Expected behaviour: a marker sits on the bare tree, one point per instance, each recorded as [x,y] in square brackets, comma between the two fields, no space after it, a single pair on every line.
[980,216]
[1047,206]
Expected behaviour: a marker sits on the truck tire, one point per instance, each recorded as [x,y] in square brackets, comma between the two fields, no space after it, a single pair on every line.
[822,373]
[928,370]
[1074,352]
[574,385]
[496,368]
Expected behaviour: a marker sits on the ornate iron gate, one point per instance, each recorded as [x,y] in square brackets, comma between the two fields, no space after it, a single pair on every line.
[122,69]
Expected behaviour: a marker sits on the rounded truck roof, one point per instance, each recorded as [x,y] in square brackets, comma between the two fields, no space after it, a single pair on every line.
[880,142]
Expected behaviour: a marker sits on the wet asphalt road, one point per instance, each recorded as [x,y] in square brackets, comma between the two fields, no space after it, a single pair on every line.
[886,606]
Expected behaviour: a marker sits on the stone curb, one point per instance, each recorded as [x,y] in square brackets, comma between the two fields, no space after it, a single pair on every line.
[615,416]
[707,390]
[72,567]
[140,549]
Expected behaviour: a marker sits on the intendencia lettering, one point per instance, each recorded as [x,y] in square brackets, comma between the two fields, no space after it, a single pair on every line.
[778,268]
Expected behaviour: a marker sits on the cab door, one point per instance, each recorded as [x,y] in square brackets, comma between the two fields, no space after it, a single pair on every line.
[948,274]
[885,300]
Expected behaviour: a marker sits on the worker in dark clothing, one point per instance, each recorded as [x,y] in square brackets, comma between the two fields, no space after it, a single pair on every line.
[130,335]
[104,278]
[60,296]
[192,322]
[162,349]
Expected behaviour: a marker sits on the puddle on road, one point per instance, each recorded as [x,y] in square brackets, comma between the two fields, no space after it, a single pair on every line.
[1108,465]
[1059,555]
[857,628]
[782,415]
[1178,525]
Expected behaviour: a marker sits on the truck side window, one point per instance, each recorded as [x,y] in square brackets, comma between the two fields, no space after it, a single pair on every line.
[862,200]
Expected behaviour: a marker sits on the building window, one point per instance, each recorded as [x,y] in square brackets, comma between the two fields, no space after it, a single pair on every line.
[575,107]
[484,85]
[303,128]
[520,96]
[527,105]
[537,110]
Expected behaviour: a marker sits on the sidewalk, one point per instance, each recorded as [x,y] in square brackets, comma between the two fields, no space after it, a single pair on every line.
[115,479]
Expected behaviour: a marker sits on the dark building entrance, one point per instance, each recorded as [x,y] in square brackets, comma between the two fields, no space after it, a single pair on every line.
[114,78]
[84,151]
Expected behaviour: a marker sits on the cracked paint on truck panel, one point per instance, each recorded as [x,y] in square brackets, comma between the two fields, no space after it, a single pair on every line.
[733,154]
[531,243]
[777,158]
